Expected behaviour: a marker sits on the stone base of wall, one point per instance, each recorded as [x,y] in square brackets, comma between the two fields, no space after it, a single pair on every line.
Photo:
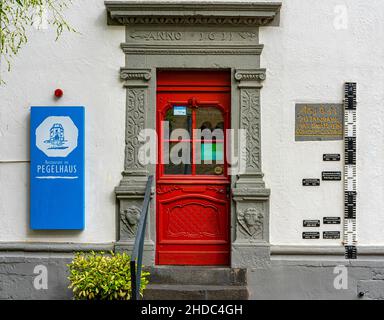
[17,276]
[282,277]
[317,279]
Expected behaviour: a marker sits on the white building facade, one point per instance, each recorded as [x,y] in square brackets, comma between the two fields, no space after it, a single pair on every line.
[283,55]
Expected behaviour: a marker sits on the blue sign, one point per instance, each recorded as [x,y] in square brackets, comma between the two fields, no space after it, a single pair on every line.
[57,168]
[179,111]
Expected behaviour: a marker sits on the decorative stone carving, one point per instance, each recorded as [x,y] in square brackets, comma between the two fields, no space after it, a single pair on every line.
[189,49]
[189,13]
[130,218]
[157,36]
[190,36]
[130,191]
[251,222]
[251,197]
[248,35]
[250,75]
[250,114]
[250,120]
[134,124]
[134,74]
[136,83]
[194,21]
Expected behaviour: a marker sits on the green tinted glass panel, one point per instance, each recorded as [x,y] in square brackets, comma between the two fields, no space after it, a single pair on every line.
[212,151]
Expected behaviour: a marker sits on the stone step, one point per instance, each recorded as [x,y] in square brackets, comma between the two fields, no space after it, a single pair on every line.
[195,292]
[189,275]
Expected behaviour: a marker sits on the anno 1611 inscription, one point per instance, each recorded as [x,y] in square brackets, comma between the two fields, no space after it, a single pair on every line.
[316,122]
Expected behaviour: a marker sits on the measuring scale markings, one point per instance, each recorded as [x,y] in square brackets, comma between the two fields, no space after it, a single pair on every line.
[350,177]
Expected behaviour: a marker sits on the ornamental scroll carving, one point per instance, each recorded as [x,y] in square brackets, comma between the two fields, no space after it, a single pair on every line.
[250,75]
[250,120]
[251,223]
[133,74]
[136,83]
[161,189]
[250,85]
[134,124]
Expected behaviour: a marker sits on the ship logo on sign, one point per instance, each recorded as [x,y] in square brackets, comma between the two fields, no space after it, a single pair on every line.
[57,136]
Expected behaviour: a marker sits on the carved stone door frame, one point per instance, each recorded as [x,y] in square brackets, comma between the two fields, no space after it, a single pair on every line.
[195,36]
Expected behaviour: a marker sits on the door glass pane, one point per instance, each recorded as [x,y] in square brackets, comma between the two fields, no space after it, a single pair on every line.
[179,117]
[208,142]
[210,121]
[212,151]
[214,168]
[209,118]
[211,158]
[180,155]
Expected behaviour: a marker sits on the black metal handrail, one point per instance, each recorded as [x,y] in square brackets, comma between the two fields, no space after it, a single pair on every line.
[137,252]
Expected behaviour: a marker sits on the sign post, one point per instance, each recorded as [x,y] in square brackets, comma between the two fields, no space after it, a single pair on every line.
[57,168]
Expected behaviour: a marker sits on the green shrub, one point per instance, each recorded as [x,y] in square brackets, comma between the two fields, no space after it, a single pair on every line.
[96,276]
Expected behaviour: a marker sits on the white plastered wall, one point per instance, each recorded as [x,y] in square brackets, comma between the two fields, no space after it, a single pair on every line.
[86,66]
[308,59]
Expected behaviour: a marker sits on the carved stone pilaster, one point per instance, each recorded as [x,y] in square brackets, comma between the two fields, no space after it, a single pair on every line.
[249,84]
[251,245]
[136,83]
[131,190]
[134,123]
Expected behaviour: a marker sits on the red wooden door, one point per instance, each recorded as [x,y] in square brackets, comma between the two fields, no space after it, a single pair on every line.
[192,197]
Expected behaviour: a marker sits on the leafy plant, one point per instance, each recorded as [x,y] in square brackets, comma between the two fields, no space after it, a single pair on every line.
[97,276]
[17,15]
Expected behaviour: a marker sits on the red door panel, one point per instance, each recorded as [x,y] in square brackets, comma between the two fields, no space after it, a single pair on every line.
[192,199]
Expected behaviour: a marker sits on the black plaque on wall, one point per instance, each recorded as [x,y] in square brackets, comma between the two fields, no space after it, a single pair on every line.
[331,234]
[331,220]
[331,157]
[311,223]
[311,182]
[311,235]
[331,175]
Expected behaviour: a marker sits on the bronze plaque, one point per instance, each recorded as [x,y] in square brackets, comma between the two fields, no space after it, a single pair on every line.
[318,122]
